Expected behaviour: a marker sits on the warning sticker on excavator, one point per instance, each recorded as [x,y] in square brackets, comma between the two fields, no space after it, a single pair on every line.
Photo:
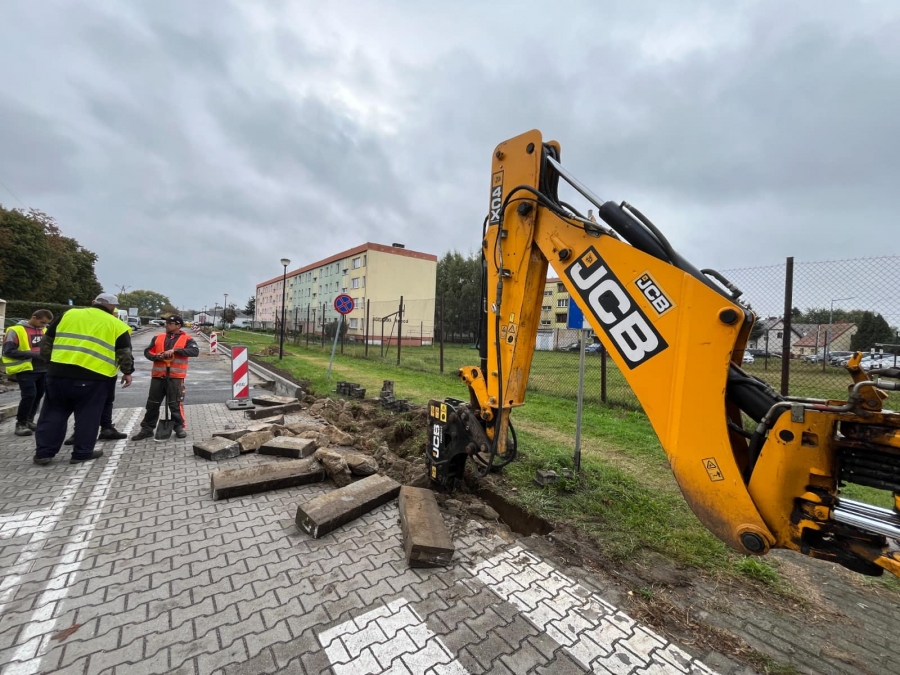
[712,468]
[510,332]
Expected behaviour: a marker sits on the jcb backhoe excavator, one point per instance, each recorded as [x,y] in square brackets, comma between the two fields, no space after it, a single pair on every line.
[677,334]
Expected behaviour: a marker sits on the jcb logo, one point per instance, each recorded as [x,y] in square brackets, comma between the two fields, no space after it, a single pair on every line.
[620,317]
[496,197]
[653,293]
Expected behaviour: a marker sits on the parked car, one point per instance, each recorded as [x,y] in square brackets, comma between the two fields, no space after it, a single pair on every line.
[10,321]
[134,322]
[755,352]
[157,322]
[748,358]
[593,349]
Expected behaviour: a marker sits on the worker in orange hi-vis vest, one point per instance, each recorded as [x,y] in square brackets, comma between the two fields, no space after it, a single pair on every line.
[169,352]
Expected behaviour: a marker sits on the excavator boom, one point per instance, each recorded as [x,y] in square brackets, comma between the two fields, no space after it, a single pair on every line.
[676,333]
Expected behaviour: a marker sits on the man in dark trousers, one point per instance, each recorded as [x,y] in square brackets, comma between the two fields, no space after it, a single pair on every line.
[84,349]
[169,352]
[22,359]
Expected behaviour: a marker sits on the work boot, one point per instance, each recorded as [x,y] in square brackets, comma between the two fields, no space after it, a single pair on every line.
[78,460]
[142,434]
[43,461]
[180,433]
[70,440]
[31,424]
[111,434]
[22,429]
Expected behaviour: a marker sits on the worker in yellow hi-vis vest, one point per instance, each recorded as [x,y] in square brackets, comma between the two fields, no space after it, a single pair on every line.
[84,350]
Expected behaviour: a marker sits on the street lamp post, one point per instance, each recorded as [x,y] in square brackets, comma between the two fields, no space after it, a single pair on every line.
[827,351]
[284,263]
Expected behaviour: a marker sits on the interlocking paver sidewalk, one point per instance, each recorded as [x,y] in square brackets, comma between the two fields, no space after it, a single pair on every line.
[127,565]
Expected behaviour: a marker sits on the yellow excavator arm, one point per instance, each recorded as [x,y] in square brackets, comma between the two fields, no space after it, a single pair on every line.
[676,333]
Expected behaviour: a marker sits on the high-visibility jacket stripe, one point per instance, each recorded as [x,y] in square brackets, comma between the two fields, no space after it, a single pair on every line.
[88,338]
[84,350]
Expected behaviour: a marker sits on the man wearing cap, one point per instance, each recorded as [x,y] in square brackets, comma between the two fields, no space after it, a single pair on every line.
[22,359]
[169,352]
[83,349]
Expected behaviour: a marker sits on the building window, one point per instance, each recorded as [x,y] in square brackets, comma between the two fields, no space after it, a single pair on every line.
[560,288]
[546,308]
[546,322]
[363,282]
[548,293]
[779,335]
[354,324]
[354,283]
[364,260]
[562,302]
[357,263]
[560,318]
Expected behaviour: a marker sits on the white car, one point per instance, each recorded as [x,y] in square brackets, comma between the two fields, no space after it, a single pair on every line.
[157,322]
[748,358]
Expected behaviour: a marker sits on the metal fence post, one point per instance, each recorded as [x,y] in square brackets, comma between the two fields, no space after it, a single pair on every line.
[367,328]
[602,373]
[441,334]
[400,330]
[786,335]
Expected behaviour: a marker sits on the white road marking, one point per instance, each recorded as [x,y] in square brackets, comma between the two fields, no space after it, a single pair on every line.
[390,639]
[34,638]
[594,632]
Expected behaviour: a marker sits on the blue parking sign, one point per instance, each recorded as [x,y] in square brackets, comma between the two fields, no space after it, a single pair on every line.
[576,318]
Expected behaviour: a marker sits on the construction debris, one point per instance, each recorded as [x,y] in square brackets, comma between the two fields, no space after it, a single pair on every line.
[239,482]
[288,446]
[426,541]
[544,478]
[351,389]
[335,465]
[230,434]
[389,401]
[327,512]
[271,400]
[250,442]
[217,448]
[268,411]
[361,465]
[266,422]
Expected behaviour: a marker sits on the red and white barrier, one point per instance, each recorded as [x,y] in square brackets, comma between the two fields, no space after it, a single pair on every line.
[240,374]
[213,342]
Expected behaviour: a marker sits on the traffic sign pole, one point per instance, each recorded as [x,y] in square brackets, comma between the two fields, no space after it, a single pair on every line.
[344,305]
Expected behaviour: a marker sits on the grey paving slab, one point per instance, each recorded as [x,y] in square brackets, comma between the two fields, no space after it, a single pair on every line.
[133,558]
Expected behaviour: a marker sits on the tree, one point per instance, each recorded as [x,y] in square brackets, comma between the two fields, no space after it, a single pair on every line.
[39,263]
[229,314]
[871,330]
[148,302]
[459,283]
[331,327]
[250,309]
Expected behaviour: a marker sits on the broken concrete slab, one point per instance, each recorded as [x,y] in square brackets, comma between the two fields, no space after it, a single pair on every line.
[250,442]
[335,465]
[249,481]
[302,428]
[543,478]
[327,512]
[288,446]
[272,400]
[268,411]
[230,434]
[426,541]
[266,422]
[361,465]
[338,437]
[217,448]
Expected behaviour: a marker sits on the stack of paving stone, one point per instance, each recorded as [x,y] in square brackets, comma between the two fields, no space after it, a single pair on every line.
[387,399]
[351,389]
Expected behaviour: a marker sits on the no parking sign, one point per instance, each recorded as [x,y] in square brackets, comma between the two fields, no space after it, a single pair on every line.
[343,303]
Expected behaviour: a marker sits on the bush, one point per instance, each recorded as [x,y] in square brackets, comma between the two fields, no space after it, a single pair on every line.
[23,309]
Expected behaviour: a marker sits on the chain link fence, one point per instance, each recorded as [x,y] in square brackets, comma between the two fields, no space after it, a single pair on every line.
[833,309]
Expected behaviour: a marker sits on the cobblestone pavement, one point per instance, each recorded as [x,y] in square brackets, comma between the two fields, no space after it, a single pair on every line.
[126,565]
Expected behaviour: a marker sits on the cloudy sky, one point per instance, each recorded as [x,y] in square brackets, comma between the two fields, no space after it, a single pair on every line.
[193,144]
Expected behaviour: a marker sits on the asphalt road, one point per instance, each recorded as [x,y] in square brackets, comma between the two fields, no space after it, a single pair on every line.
[208,380]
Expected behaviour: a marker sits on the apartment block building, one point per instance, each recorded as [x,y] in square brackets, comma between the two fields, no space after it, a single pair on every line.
[373,273]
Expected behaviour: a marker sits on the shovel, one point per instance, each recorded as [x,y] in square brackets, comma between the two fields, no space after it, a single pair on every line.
[165,427]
